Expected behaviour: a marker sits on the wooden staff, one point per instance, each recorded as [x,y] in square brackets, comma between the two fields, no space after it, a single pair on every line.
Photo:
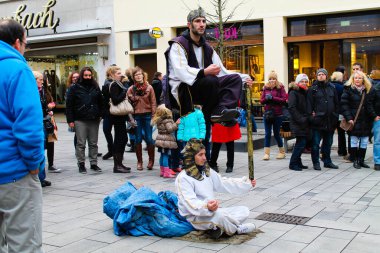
[251,166]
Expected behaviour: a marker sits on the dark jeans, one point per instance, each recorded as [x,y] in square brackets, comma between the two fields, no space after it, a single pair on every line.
[50,153]
[276,132]
[121,137]
[230,153]
[327,137]
[143,124]
[107,130]
[342,147]
[295,160]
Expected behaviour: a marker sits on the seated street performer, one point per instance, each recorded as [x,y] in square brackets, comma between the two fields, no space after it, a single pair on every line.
[195,187]
[197,75]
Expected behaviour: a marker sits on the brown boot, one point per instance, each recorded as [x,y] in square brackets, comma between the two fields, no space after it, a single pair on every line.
[151,157]
[139,156]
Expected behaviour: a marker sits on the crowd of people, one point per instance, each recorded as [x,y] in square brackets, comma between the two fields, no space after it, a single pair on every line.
[194,102]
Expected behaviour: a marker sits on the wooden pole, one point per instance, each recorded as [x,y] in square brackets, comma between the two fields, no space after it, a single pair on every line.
[251,167]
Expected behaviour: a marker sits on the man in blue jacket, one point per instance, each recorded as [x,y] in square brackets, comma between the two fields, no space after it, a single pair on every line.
[21,146]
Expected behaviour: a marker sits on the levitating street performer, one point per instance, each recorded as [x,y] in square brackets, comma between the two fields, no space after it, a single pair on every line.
[197,75]
[195,187]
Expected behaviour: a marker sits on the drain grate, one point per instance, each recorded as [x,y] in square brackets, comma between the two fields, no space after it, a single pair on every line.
[283,218]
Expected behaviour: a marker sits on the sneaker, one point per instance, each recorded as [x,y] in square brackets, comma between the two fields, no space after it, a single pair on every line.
[95,168]
[82,168]
[246,228]
[215,233]
[317,166]
[45,183]
[53,169]
[230,123]
[229,169]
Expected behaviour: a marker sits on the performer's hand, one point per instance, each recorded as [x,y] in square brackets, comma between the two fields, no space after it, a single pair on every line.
[249,82]
[212,70]
[377,118]
[253,182]
[212,205]
[351,122]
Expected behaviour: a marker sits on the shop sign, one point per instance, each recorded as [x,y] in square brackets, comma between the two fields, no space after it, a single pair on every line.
[229,33]
[42,19]
[156,33]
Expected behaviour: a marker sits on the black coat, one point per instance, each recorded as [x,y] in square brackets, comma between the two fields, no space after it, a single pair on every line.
[299,120]
[157,87]
[350,103]
[373,101]
[106,97]
[322,99]
[84,103]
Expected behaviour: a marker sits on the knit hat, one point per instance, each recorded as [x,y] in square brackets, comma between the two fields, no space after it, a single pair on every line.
[301,77]
[324,71]
[193,147]
[196,14]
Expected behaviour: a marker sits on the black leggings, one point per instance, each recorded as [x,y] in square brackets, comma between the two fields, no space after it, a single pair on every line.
[230,153]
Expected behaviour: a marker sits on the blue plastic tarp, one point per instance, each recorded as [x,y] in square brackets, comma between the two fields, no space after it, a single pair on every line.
[142,212]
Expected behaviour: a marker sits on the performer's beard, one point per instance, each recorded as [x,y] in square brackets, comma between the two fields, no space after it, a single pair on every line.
[196,32]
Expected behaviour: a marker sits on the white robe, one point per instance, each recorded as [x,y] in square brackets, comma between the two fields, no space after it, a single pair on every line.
[193,196]
[181,72]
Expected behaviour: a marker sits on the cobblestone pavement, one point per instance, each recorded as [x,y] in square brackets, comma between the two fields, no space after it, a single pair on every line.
[344,206]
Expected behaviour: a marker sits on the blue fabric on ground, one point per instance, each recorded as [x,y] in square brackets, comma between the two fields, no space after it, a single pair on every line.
[143,212]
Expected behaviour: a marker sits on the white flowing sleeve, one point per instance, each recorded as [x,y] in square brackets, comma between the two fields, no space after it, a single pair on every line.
[178,61]
[223,71]
[188,203]
[230,185]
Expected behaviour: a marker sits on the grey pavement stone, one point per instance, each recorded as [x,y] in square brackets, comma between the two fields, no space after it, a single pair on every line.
[82,246]
[195,250]
[167,245]
[326,245]
[76,201]
[302,234]
[284,247]
[339,234]
[364,243]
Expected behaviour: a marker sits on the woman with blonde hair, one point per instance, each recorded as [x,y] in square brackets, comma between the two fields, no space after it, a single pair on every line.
[273,98]
[141,94]
[359,87]
[118,93]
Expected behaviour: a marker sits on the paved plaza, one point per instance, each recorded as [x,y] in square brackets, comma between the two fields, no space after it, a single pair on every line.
[343,204]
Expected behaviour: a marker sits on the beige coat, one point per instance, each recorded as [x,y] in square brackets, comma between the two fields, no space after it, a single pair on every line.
[165,138]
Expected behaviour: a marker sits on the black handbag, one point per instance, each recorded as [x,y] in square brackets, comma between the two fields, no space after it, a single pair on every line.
[269,116]
[48,124]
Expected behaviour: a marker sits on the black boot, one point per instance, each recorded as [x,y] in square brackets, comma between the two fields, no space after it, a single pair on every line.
[82,168]
[362,152]
[107,156]
[355,155]
[118,168]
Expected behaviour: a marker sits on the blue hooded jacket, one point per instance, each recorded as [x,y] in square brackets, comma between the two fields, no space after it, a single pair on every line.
[21,129]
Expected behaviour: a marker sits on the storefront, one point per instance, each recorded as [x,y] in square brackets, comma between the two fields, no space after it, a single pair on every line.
[331,40]
[63,39]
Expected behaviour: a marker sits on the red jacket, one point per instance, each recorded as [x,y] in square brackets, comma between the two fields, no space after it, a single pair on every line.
[278,100]
[222,134]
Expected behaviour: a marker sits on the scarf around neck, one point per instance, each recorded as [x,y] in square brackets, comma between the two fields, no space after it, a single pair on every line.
[140,88]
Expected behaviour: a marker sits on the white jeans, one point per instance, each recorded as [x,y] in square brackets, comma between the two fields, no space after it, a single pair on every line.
[21,216]
[227,219]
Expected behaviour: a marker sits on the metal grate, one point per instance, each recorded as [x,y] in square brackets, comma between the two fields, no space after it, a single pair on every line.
[283,218]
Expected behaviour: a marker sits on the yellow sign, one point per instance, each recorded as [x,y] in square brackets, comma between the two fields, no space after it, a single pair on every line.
[155,33]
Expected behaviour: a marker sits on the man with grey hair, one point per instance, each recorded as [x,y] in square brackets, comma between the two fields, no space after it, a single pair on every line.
[21,146]
[197,75]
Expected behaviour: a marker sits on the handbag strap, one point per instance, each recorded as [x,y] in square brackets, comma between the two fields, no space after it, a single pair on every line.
[360,107]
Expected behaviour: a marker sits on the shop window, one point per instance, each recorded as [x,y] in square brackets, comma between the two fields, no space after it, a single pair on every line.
[57,68]
[335,23]
[141,40]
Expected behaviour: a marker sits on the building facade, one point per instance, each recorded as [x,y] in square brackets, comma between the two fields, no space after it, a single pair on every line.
[289,37]
[64,36]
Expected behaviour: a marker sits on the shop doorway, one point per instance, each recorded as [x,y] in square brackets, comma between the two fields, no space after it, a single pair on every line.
[148,62]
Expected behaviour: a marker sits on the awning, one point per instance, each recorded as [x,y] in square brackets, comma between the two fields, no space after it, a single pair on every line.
[69,35]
